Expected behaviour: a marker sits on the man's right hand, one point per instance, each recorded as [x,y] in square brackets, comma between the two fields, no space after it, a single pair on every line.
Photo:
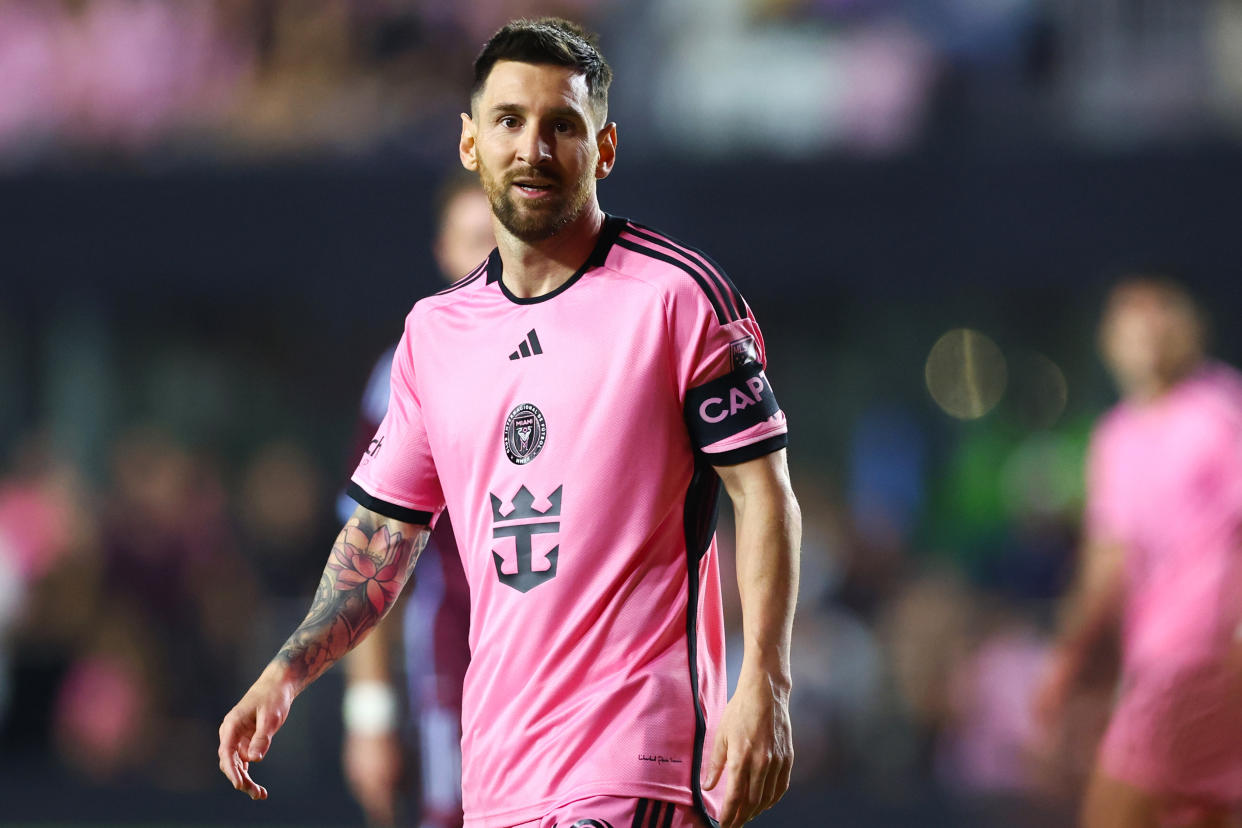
[369,564]
[246,732]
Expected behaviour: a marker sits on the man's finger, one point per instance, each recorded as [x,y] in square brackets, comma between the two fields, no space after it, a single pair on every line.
[232,764]
[265,725]
[783,778]
[228,750]
[257,749]
[716,763]
[771,786]
[731,812]
[248,786]
[757,784]
[226,768]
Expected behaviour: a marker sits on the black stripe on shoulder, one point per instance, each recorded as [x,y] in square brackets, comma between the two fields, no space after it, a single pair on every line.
[729,294]
[709,265]
[750,452]
[722,316]
[461,283]
[383,507]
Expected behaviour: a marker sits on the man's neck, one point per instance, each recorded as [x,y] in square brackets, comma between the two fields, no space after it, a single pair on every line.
[535,268]
[1155,387]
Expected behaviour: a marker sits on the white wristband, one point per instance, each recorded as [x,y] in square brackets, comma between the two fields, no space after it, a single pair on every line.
[369,708]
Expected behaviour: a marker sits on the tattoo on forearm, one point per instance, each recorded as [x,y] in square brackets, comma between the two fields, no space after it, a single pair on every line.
[369,565]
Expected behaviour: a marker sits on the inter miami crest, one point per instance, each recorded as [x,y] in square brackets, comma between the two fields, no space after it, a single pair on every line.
[525,431]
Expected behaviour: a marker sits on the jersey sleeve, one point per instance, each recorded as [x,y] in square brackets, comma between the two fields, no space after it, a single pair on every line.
[371,414]
[396,476]
[730,409]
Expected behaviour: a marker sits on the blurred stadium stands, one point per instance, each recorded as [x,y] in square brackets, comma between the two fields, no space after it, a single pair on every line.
[216,213]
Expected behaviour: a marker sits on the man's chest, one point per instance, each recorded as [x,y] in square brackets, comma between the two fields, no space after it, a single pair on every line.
[533,379]
[1171,476]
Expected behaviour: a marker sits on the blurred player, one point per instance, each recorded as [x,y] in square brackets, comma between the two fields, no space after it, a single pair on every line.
[437,611]
[1162,557]
[576,403]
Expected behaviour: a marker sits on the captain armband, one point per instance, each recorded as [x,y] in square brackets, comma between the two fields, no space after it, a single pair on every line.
[729,405]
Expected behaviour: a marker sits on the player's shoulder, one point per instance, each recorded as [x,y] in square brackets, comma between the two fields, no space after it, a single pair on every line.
[1109,424]
[1217,389]
[680,271]
[457,291]
[453,300]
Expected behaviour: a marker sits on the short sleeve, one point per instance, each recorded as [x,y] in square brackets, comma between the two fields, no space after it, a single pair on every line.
[730,408]
[396,476]
[375,396]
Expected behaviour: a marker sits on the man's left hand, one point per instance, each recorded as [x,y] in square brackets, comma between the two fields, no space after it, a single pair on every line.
[753,749]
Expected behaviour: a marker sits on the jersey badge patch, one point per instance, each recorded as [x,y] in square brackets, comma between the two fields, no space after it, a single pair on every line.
[744,352]
[525,433]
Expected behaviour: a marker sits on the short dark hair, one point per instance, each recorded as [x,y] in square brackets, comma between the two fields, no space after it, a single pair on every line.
[547,40]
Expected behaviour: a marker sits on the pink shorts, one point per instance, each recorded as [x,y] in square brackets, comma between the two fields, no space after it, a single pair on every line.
[1177,733]
[618,812]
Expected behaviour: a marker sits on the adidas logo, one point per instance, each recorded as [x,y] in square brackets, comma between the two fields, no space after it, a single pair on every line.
[529,346]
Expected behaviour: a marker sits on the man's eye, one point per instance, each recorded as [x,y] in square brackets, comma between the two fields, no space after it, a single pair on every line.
[509,121]
[564,126]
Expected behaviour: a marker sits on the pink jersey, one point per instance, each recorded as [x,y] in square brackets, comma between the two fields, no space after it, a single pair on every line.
[1165,482]
[572,437]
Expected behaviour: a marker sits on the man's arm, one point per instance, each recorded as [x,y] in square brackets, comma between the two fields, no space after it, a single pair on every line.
[754,742]
[369,564]
[1091,612]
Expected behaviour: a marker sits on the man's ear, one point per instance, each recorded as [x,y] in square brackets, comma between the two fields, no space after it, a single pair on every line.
[466,147]
[607,142]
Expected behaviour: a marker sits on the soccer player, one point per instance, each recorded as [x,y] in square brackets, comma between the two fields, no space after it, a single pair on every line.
[436,613]
[1162,557]
[576,403]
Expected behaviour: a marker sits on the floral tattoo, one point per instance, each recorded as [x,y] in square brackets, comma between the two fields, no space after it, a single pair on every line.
[370,563]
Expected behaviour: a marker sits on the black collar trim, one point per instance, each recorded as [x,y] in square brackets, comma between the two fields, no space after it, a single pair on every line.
[613,225]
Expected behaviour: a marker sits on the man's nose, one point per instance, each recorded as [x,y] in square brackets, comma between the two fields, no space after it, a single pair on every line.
[535,147]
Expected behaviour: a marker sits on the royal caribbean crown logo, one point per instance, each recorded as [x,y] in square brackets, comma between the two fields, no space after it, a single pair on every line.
[522,523]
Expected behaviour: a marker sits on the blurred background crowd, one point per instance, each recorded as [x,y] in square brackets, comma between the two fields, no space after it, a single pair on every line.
[227,80]
[217,212]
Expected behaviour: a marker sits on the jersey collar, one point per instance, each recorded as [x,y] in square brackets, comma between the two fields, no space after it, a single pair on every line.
[613,225]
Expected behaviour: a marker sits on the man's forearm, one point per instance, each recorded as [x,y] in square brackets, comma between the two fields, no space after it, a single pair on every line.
[371,660]
[769,532]
[753,748]
[1094,605]
[370,563]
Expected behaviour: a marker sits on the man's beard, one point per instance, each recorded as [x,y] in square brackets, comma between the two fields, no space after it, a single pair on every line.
[535,222]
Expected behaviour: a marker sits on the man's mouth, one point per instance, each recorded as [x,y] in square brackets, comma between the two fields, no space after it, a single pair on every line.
[533,188]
